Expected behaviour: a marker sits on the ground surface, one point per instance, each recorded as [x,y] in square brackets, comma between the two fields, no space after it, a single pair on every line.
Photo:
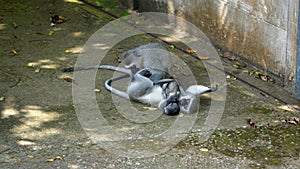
[40,128]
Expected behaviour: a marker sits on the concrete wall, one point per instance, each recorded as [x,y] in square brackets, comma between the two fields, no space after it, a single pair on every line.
[262,31]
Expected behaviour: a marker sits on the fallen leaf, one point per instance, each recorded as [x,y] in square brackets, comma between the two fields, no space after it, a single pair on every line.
[230,77]
[295,119]
[229,58]
[97,90]
[68,51]
[190,51]
[251,72]
[69,79]
[150,108]
[236,66]
[239,65]
[54,158]
[172,47]
[251,123]
[57,19]
[37,70]
[84,15]
[177,66]
[51,32]
[58,157]
[292,122]
[14,25]
[2,98]
[118,59]
[30,64]
[51,159]
[204,149]
[263,77]
[14,52]
[202,57]
[265,95]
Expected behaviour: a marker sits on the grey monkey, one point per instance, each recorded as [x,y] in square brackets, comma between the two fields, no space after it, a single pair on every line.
[148,67]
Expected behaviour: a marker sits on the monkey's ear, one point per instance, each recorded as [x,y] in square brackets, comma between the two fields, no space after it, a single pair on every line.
[189,104]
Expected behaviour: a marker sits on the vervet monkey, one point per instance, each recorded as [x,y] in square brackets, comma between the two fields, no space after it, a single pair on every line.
[148,66]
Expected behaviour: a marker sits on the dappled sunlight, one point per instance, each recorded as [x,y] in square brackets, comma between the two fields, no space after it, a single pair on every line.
[2,26]
[126,129]
[169,39]
[62,58]
[45,64]
[6,113]
[31,121]
[74,166]
[74,1]
[101,46]
[35,116]
[25,143]
[76,49]
[290,108]
[78,34]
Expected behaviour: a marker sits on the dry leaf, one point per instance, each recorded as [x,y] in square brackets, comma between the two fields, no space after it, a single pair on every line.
[204,149]
[172,47]
[229,58]
[58,157]
[57,19]
[14,25]
[251,72]
[51,32]
[14,52]
[202,57]
[30,156]
[118,59]
[150,108]
[51,159]
[69,79]
[190,51]
[251,123]
[37,70]
[97,90]
[54,158]
[265,95]
[239,65]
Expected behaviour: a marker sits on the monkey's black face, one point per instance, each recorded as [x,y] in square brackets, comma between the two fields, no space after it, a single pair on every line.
[172,107]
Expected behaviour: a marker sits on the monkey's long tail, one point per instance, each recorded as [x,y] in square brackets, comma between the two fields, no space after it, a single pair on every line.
[108,82]
[72,69]
[116,91]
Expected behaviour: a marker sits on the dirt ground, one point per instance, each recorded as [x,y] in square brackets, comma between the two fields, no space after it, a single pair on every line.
[40,128]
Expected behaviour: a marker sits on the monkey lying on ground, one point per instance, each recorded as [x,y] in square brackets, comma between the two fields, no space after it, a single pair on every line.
[150,82]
